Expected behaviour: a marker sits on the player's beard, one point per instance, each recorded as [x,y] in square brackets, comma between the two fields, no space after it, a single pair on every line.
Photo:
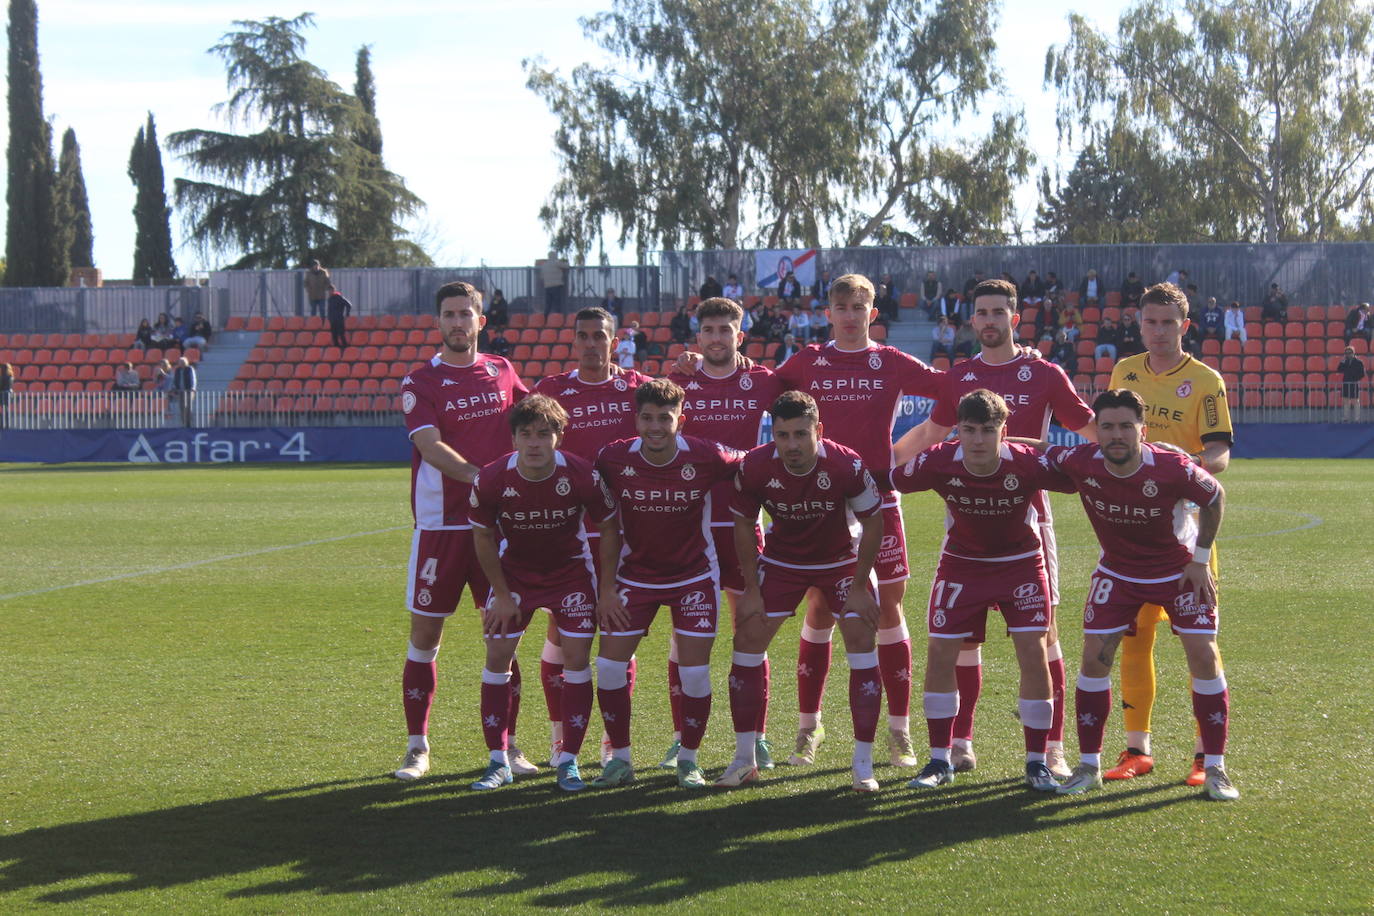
[999,339]
[458,342]
[726,363]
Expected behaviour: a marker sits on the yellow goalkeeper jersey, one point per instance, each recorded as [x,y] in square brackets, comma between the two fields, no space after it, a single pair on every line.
[1185,406]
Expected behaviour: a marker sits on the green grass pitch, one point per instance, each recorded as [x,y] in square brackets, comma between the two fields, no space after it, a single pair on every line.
[199,704]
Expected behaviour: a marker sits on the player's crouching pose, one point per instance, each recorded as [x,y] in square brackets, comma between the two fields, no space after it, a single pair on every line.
[810,486]
[535,500]
[1132,491]
[992,557]
[661,482]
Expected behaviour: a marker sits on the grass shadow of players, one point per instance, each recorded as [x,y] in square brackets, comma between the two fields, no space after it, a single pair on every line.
[645,843]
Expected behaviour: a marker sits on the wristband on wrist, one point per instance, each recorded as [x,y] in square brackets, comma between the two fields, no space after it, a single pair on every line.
[1202,555]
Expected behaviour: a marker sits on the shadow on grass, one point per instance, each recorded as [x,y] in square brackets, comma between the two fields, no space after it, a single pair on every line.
[647,843]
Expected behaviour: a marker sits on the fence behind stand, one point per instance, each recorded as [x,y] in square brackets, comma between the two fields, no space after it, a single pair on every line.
[158,409]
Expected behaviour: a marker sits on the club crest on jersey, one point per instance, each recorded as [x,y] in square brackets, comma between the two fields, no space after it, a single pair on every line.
[1024,375]
[621,384]
[938,619]
[492,370]
[823,480]
[423,598]
[407,401]
[1185,389]
[1010,482]
[745,383]
[563,487]
[689,472]
[1150,489]
[875,361]
[573,599]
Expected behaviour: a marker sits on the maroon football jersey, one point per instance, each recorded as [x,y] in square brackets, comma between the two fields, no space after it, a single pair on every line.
[989,517]
[1032,388]
[598,412]
[664,509]
[810,512]
[469,406]
[1143,524]
[540,521]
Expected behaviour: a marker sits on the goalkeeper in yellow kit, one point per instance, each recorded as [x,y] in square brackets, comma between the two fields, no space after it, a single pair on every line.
[1185,406]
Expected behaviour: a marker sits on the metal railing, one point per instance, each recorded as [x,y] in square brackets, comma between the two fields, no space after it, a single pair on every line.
[205,408]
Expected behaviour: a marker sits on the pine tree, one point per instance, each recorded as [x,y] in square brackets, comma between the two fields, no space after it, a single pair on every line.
[33,254]
[152,217]
[73,203]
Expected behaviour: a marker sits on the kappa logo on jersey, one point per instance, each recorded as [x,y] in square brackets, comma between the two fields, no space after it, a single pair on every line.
[822,361]
[693,386]
[875,361]
[573,599]
[1132,377]
[563,487]
[775,484]
[509,492]
[586,624]
[423,598]
[746,383]
[408,401]
[1201,620]
[1092,482]
[920,459]
[955,482]
[621,384]
[1024,375]
[1150,489]
[1025,591]
[492,370]
[1010,482]
[703,624]
[406,381]
[1038,618]
[969,377]
[567,391]
[446,382]
[689,472]
[1185,389]
[628,472]
[823,480]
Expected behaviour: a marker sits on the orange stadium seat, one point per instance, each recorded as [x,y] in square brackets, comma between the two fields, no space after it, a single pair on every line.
[909,300]
[1294,346]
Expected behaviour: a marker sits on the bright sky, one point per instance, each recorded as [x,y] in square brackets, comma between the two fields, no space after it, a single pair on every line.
[458,123]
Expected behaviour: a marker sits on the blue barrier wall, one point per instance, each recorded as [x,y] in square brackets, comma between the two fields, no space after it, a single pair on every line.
[380,443]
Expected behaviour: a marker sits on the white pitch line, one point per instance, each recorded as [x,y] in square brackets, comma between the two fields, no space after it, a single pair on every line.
[194,563]
[1313,521]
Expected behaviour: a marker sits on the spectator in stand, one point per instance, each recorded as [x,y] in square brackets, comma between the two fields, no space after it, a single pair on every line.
[746,319]
[1359,323]
[179,332]
[1132,290]
[339,308]
[1233,323]
[885,303]
[1352,372]
[126,378]
[1052,285]
[970,283]
[162,333]
[497,343]
[711,289]
[680,325]
[1192,340]
[1128,342]
[184,388]
[1047,319]
[497,311]
[799,325]
[785,350]
[6,386]
[820,324]
[625,349]
[820,290]
[770,325]
[1091,290]
[1275,305]
[1194,303]
[930,292]
[317,287]
[1108,337]
[885,280]
[1176,277]
[553,273]
[162,376]
[965,340]
[732,289]
[789,291]
[1213,321]
[198,335]
[641,340]
[143,337]
[1065,354]
[950,305]
[1032,289]
[1070,320]
[942,339]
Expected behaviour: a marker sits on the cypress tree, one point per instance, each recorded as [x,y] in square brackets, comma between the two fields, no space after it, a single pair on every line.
[152,216]
[74,203]
[33,256]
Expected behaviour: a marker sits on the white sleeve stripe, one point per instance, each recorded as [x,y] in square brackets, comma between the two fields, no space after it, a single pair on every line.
[412,433]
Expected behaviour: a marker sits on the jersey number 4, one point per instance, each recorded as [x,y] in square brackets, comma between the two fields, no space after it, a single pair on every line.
[430,571]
